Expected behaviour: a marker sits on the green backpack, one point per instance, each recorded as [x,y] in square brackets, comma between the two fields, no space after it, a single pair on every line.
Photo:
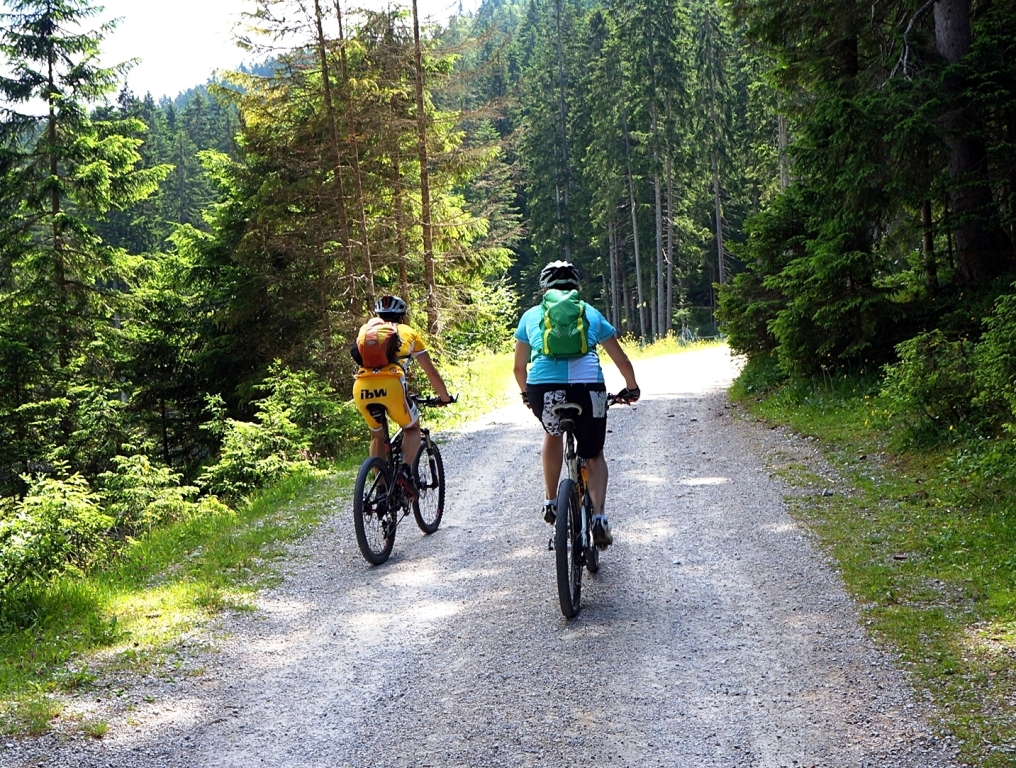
[564,324]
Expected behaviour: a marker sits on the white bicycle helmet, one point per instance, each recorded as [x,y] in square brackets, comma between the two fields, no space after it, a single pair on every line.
[560,275]
[390,305]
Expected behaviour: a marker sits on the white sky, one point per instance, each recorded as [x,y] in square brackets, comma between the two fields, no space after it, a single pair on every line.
[181,42]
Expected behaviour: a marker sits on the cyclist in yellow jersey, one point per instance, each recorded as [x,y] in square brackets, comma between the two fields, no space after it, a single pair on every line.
[387,386]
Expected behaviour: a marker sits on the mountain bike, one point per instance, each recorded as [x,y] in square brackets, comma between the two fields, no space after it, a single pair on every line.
[573,534]
[379,504]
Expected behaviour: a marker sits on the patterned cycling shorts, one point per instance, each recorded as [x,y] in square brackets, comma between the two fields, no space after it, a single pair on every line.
[590,426]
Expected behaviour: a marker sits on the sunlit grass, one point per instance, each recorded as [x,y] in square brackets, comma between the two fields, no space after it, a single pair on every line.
[668,345]
[482,383]
[926,546]
[130,614]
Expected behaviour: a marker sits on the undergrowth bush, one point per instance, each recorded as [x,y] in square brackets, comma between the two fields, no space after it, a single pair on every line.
[253,454]
[328,420]
[57,526]
[929,391]
[139,495]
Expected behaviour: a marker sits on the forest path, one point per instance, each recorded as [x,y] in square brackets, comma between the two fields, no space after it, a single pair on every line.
[714,635]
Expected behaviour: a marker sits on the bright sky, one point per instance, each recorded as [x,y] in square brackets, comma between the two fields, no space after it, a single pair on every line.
[181,42]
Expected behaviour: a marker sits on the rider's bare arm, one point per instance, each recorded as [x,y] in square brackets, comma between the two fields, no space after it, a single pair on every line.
[620,359]
[522,352]
[433,376]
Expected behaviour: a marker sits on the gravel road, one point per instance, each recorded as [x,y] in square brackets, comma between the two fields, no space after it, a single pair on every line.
[714,635]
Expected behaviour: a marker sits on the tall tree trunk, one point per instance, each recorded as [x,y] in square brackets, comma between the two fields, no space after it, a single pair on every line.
[661,302]
[718,212]
[564,205]
[59,263]
[784,160]
[629,322]
[425,212]
[612,239]
[634,227]
[670,242]
[368,265]
[930,267]
[402,245]
[982,250]
[333,137]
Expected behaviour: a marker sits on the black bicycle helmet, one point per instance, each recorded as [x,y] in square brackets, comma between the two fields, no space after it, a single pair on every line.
[390,305]
[560,275]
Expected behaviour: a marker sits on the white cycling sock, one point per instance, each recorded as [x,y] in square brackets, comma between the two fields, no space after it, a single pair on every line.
[552,502]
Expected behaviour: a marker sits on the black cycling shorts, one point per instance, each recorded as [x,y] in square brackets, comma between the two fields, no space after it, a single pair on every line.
[590,426]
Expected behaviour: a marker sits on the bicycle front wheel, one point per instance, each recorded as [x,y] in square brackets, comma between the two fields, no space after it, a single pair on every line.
[373,520]
[568,548]
[429,507]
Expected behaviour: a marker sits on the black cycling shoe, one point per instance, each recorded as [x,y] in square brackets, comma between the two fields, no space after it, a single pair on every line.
[550,513]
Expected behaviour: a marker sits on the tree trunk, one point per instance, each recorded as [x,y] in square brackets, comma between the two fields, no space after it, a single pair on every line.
[982,250]
[612,238]
[397,202]
[333,136]
[784,160]
[625,297]
[368,266]
[425,212]
[670,242]
[930,268]
[634,228]
[563,209]
[718,212]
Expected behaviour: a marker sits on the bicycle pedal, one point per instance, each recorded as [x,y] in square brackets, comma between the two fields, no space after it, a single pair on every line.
[550,545]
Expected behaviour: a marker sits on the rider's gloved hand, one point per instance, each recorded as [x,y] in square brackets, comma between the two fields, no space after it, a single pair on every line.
[525,399]
[628,395]
[442,402]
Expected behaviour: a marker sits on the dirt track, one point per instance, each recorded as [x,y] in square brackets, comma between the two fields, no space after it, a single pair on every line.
[714,635]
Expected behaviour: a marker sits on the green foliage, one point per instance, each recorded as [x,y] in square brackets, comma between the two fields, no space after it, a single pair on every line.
[328,421]
[995,360]
[930,388]
[138,494]
[760,375]
[253,454]
[57,526]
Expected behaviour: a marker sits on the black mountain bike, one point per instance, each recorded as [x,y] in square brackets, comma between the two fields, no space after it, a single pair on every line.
[379,504]
[573,532]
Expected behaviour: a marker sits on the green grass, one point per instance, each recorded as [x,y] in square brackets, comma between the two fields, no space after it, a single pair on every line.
[482,384]
[666,346]
[926,543]
[63,638]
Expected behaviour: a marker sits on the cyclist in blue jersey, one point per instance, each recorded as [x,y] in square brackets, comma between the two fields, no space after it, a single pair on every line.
[545,381]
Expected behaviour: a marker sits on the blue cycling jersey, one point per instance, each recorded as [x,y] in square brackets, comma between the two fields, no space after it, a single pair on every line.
[576,370]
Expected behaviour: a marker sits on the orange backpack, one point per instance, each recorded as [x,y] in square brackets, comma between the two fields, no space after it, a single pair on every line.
[378,343]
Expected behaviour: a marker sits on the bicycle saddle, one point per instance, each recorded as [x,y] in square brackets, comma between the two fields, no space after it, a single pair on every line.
[566,409]
[376,410]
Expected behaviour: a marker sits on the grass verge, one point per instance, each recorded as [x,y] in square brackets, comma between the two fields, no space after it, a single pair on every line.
[926,542]
[64,637]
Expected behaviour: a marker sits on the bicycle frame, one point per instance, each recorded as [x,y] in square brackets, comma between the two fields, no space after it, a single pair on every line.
[575,464]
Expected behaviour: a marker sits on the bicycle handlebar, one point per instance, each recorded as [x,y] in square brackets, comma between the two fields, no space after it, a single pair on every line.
[624,397]
[433,402]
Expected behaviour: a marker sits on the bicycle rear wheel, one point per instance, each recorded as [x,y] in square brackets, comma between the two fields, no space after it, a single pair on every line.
[429,508]
[568,548]
[373,520]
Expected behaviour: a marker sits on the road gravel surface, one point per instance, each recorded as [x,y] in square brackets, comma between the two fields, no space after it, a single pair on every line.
[715,634]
